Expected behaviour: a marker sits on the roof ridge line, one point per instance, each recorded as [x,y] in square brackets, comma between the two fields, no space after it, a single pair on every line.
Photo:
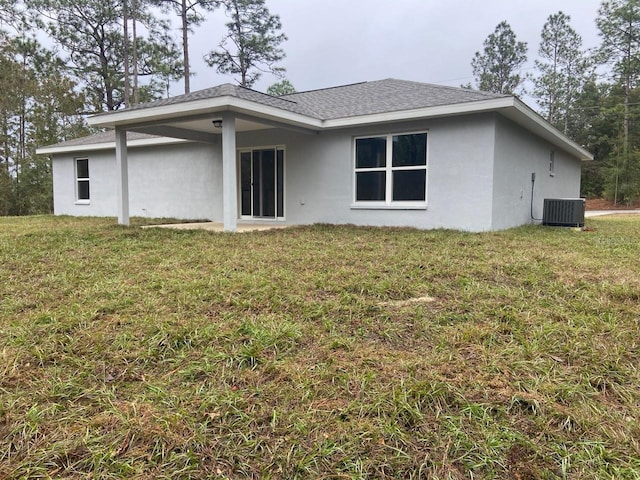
[325,88]
[279,97]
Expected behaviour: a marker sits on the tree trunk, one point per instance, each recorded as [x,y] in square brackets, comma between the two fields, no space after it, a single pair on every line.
[185,46]
[127,86]
[134,52]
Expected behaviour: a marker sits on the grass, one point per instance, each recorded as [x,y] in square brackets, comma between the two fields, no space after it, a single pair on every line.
[318,352]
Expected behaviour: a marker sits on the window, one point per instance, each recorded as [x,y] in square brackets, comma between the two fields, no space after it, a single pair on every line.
[82,179]
[552,163]
[391,169]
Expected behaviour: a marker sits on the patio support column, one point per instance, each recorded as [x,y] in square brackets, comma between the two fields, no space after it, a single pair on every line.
[122,176]
[229,173]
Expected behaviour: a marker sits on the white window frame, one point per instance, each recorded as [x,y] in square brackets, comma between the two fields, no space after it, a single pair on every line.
[552,163]
[388,203]
[81,201]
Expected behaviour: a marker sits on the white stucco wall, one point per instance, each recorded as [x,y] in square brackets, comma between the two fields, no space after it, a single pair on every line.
[518,154]
[320,172]
[478,176]
[178,181]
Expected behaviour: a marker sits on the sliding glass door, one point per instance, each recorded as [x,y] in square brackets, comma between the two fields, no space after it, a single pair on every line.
[262,183]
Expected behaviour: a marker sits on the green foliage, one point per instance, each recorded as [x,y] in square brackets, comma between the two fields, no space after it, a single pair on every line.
[190,15]
[562,72]
[90,32]
[283,87]
[39,106]
[623,179]
[497,68]
[619,25]
[8,12]
[252,43]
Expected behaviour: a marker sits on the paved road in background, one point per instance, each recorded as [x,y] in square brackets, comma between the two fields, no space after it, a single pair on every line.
[599,213]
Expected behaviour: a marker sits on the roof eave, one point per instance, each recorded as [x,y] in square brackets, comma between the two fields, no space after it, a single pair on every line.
[421,113]
[143,142]
[538,125]
[213,106]
[510,106]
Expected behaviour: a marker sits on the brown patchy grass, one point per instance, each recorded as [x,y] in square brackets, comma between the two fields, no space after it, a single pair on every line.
[318,352]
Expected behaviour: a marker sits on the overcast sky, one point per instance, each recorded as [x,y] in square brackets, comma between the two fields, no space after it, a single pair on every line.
[337,42]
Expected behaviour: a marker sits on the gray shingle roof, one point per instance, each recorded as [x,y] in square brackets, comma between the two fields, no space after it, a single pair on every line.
[366,98]
[103,137]
[227,89]
[383,96]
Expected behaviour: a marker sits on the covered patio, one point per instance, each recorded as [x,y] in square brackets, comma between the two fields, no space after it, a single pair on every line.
[212,116]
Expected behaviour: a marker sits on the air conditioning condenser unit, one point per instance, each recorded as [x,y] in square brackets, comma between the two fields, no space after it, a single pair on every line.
[563,212]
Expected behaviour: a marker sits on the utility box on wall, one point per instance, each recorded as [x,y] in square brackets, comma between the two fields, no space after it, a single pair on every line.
[563,212]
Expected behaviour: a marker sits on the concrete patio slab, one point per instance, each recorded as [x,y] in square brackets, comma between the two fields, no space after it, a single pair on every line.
[219,227]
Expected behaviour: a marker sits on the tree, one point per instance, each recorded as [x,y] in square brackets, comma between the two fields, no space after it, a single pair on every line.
[496,69]
[619,25]
[188,11]
[283,87]
[39,106]
[90,31]
[8,13]
[252,43]
[562,70]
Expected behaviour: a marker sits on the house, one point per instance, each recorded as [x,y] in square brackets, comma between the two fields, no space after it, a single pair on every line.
[388,153]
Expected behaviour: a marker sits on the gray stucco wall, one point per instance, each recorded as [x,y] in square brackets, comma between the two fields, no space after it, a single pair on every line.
[178,181]
[478,176]
[518,154]
[320,174]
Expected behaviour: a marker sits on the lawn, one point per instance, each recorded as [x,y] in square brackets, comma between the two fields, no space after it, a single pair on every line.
[318,352]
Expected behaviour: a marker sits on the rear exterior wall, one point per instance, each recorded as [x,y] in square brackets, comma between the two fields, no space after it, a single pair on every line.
[320,174]
[478,176]
[173,181]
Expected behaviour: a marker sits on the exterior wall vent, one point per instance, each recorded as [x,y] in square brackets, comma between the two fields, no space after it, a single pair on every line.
[563,212]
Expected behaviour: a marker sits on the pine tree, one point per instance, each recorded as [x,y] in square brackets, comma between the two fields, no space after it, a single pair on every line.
[563,70]
[497,68]
[90,31]
[190,16]
[252,43]
[39,106]
[283,87]
[619,25]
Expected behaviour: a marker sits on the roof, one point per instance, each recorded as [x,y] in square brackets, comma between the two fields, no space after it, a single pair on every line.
[366,103]
[383,96]
[362,98]
[224,90]
[105,141]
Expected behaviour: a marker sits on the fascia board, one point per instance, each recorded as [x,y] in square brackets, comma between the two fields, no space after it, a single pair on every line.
[420,113]
[196,107]
[511,107]
[109,145]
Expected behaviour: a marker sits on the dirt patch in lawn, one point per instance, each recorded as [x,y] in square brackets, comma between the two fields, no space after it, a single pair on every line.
[604,204]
